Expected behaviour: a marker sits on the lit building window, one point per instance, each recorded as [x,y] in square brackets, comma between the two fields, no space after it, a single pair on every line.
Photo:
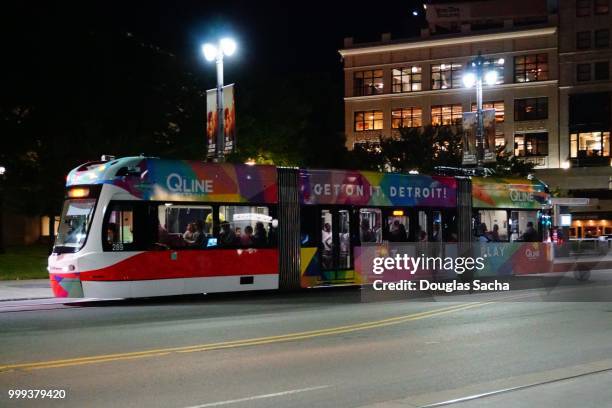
[368,120]
[446,115]
[406,79]
[583,40]
[500,140]
[590,144]
[583,72]
[529,68]
[406,117]
[531,109]
[368,82]
[445,76]
[531,144]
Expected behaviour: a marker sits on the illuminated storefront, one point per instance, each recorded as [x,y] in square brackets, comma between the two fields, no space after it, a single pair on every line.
[591,225]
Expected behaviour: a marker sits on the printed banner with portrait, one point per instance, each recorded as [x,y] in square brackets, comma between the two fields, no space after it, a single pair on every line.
[212,120]
[470,123]
[490,155]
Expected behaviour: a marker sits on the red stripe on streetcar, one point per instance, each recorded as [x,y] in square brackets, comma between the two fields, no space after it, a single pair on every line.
[189,264]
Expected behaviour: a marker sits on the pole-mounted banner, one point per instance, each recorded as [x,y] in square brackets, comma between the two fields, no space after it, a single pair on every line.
[212,121]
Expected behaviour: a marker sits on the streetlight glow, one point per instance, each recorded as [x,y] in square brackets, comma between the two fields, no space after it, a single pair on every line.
[476,75]
[2,170]
[225,47]
[210,52]
[491,77]
[469,79]
[228,46]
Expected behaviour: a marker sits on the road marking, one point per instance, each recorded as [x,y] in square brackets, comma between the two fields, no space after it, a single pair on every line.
[256,397]
[517,388]
[244,342]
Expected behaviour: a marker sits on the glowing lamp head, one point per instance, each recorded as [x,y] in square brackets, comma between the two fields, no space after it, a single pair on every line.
[2,170]
[228,46]
[210,52]
[469,79]
[491,77]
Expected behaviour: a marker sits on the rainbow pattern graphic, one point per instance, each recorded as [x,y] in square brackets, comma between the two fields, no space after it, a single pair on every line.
[343,187]
[66,285]
[180,180]
[491,192]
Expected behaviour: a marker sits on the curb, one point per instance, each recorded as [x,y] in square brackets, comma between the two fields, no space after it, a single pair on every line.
[31,298]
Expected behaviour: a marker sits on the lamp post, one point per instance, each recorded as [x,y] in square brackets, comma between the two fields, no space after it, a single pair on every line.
[2,171]
[226,46]
[474,76]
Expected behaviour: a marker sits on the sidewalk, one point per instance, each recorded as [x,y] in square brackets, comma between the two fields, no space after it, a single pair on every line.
[25,289]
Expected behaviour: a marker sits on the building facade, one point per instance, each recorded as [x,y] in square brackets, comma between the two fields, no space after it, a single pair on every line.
[552,99]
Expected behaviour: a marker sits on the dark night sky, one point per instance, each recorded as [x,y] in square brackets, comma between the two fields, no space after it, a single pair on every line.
[274,37]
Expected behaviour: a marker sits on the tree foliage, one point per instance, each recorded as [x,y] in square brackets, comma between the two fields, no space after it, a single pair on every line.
[425,148]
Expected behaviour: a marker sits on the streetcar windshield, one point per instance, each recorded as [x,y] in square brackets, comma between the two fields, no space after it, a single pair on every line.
[74,225]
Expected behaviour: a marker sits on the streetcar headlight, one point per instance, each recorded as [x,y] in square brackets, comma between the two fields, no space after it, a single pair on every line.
[79,192]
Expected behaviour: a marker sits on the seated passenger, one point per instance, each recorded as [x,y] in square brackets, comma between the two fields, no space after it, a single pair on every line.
[197,239]
[227,237]
[531,234]
[366,234]
[398,232]
[247,238]
[188,234]
[111,233]
[260,236]
[273,233]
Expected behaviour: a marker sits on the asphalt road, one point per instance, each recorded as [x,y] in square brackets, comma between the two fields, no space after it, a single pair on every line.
[323,348]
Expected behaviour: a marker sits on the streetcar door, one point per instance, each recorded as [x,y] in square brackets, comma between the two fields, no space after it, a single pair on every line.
[335,239]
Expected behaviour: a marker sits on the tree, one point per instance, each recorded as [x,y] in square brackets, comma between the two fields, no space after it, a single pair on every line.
[425,148]
[422,149]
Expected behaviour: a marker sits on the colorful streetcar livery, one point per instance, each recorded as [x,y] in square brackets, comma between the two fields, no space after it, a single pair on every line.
[143,226]
[123,231]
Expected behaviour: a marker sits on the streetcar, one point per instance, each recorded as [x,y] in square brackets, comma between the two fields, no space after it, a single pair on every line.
[144,226]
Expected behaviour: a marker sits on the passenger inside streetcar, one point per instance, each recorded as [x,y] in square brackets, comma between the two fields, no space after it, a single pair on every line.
[227,237]
[246,239]
[260,237]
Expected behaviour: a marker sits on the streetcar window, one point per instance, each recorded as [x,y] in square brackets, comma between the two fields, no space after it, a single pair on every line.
[118,231]
[398,226]
[327,239]
[422,234]
[344,221]
[246,226]
[496,222]
[184,226]
[74,225]
[436,231]
[308,226]
[370,222]
[523,218]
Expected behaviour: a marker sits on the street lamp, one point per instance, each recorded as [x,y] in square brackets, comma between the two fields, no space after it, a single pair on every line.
[474,76]
[212,52]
